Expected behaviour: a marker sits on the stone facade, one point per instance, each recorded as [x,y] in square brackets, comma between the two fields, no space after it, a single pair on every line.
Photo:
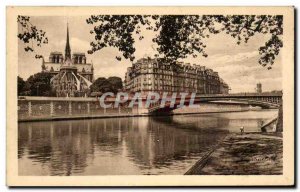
[155,75]
[72,75]
[56,60]
[258,88]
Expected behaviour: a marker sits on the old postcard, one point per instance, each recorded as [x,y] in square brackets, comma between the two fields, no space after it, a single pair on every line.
[150,96]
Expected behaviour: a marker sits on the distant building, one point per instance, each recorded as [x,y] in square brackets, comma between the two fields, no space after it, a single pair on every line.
[224,88]
[155,75]
[258,88]
[72,75]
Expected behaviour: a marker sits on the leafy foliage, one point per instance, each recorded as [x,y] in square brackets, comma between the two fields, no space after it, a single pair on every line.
[30,35]
[182,35]
[243,27]
[112,84]
[116,83]
[116,31]
[21,85]
[37,85]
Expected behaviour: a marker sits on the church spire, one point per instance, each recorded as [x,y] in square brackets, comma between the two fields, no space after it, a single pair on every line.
[68,48]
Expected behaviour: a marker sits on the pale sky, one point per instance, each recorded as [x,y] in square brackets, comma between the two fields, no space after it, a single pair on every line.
[236,64]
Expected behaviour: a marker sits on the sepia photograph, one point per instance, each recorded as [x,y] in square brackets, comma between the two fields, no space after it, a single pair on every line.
[129,96]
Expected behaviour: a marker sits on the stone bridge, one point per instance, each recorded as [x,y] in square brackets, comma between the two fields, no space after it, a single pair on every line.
[264,100]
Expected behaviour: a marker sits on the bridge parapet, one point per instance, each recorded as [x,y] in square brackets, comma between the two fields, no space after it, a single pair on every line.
[242,95]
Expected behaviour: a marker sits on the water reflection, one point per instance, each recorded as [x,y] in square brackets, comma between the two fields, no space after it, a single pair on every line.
[143,145]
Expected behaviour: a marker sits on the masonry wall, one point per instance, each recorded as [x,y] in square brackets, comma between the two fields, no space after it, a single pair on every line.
[49,108]
[35,108]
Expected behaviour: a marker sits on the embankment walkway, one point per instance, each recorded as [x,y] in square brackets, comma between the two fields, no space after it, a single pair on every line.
[243,154]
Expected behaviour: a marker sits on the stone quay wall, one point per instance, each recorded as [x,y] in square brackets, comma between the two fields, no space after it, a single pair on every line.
[47,108]
[55,108]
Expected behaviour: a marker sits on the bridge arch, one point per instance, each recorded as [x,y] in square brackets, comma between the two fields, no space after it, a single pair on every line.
[265,102]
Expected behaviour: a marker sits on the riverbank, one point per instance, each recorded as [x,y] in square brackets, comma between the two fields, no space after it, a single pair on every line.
[54,109]
[112,115]
[243,154]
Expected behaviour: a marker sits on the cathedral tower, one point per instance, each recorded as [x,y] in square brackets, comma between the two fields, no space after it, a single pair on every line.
[72,75]
[68,48]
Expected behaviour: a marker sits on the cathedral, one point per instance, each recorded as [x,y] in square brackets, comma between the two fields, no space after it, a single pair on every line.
[72,75]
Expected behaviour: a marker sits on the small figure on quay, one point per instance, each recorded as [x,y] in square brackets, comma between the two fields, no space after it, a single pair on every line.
[242,129]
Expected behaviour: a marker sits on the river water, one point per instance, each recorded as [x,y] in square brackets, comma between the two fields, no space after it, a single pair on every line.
[127,146]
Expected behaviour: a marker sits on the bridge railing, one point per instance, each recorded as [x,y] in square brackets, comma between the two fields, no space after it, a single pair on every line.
[242,95]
